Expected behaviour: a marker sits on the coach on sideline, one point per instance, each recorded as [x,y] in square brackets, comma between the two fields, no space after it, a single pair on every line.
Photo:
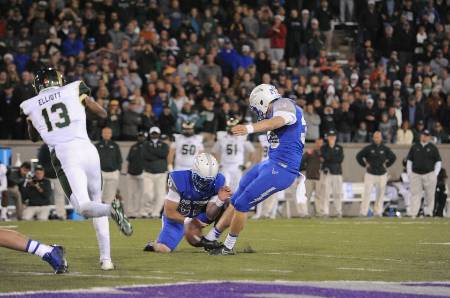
[332,156]
[423,166]
[375,157]
[111,164]
[154,158]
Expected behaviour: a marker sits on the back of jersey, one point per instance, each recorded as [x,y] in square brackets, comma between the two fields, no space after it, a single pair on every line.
[58,114]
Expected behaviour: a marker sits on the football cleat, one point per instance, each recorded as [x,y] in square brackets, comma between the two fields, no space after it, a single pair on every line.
[149,246]
[106,265]
[118,215]
[56,259]
[222,251]
[209,244]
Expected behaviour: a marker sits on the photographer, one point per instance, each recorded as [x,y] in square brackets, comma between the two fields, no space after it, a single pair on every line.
[16,182]
[37,194]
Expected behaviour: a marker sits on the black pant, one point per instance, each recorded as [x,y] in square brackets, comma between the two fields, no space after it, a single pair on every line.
[439,202]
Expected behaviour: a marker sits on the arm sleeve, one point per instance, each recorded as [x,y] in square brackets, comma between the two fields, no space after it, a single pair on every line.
[409,167]
[285,109]
[437,168]
[340,158]
[173,196]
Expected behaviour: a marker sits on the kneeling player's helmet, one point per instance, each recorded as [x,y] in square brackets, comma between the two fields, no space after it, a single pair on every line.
[204,171]
[260,98]
[187,128]
[47,77]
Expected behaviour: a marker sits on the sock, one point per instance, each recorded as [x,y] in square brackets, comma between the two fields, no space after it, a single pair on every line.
[4,214]
[95,209]
[230,241]
[213,234]
[101,225]
[36,248]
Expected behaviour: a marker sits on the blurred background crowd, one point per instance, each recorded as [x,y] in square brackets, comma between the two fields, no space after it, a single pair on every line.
[162,62]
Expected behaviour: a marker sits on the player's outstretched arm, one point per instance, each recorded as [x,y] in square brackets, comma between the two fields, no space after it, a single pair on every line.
[260,126]
[94,107]
[32,132]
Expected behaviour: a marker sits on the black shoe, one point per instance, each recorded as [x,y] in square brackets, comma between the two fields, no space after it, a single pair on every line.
[209,244]
[222,251]
[149,247]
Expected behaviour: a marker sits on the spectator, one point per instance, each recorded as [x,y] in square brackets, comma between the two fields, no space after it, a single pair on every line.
[386,129]
[404,134]
[313,121]
[440,136]
[361,135]
[59,198]
[345,118]
[154,159]
[311,165]
[187,67]
[332,156]
[72,46]
[110,163]
[423,167]
[37,194]
[131,120]
[277,38]
[294,36]
[135,182]
[209,72]
[346,10]
[376,158]
[16,183]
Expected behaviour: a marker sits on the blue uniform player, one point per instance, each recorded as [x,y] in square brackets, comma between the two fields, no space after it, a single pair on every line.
[195,195]
[283,121]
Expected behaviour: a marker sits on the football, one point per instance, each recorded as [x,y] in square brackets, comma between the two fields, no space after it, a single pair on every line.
[193,232]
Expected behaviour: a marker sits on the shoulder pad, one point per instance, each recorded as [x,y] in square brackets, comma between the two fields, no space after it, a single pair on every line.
[179,180]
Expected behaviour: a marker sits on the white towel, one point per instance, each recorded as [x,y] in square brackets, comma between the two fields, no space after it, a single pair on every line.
[301,190]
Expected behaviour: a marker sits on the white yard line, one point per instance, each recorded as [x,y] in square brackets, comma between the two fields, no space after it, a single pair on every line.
[8,227]
[361,269]
[335,257]
[79,274]
[435,243]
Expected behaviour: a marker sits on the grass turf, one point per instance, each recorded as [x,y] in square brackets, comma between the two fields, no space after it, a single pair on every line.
[307,249]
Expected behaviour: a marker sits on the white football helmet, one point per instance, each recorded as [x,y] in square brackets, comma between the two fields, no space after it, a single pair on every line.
[204,171]
[260,98]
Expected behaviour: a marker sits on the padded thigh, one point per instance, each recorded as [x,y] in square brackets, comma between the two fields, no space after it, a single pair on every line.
[270,178]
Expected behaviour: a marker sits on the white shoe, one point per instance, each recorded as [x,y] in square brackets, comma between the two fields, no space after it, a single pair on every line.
[107,265]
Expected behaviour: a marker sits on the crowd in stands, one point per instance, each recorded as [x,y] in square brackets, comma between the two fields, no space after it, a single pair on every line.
[152,62]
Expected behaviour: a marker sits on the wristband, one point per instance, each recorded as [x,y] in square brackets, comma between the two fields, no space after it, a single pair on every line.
[219,203]
[187,220]
[170,168]
[250,128]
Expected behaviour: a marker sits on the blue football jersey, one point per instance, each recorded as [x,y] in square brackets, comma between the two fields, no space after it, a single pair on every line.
[192,202]
[287,142]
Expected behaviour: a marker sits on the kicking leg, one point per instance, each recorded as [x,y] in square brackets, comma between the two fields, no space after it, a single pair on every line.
[271,179]
[225,220]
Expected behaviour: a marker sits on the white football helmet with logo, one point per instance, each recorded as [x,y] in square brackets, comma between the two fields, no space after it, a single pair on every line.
[204,171]
[260,98]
